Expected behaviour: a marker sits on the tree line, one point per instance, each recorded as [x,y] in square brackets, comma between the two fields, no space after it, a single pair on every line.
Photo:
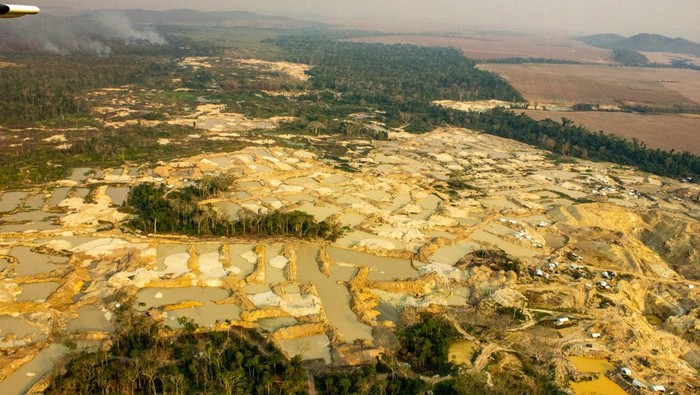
[156,209]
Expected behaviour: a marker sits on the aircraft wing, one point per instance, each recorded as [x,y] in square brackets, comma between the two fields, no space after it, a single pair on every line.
[16,10]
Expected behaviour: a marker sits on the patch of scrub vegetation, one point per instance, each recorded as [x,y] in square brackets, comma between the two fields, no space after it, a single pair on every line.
[425,345]
[157,209]
[496,259]
[382,378]
[32,164]
[530,378]
[146,357]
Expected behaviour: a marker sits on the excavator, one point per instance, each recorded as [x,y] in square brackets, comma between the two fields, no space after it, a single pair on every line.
[16,10]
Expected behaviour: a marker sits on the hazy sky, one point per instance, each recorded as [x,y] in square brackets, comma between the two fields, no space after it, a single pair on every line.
[670,17]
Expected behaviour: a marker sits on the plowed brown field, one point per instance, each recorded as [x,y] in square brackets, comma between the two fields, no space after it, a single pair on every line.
[603,84]
[666,132]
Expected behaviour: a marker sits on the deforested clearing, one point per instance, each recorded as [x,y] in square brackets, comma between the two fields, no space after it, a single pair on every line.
[664,131]
[604,85]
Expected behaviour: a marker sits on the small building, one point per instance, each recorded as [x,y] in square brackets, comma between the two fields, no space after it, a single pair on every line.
[562,320]
[638,384]
[539,273]
[542,224]
[626,371]
[595,335]
[658,388]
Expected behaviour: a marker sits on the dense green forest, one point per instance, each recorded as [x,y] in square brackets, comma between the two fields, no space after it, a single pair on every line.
[148,358]
[157,209]
[399,80]
[629,57]
[382,378]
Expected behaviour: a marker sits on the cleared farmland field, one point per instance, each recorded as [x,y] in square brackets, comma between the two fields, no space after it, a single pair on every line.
[603,84]
[506,45]
[666,132]
[668,57]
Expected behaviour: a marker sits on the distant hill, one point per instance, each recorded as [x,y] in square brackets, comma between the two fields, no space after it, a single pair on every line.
[644,42]
[609,41]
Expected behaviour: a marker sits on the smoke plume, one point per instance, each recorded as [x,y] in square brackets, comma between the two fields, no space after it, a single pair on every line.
[89,34]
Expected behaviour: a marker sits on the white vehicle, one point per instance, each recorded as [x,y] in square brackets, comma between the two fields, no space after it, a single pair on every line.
[16,11]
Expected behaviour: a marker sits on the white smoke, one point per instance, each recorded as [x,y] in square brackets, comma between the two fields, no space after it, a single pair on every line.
[74,35]
[118,26]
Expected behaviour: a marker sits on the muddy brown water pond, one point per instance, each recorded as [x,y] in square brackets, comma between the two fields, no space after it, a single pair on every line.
[28,227]
[601,385]
[21,328]
[399,201]
[118,195]
[207,314]
[28,216]
[381,268]
[311,347]
[274,275]
[80,174]
[319,212]
[35,202]
[461,352]
[453,253]
[37,292]
[165,250]
[510,248]
[32,263]
[275,323]
[90,319]
[209,261]
[81,193]
[223,162]
[11,200]
[26,376]
[157,297]
[239,265]
[58,195]
[335,297]
[301,181]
